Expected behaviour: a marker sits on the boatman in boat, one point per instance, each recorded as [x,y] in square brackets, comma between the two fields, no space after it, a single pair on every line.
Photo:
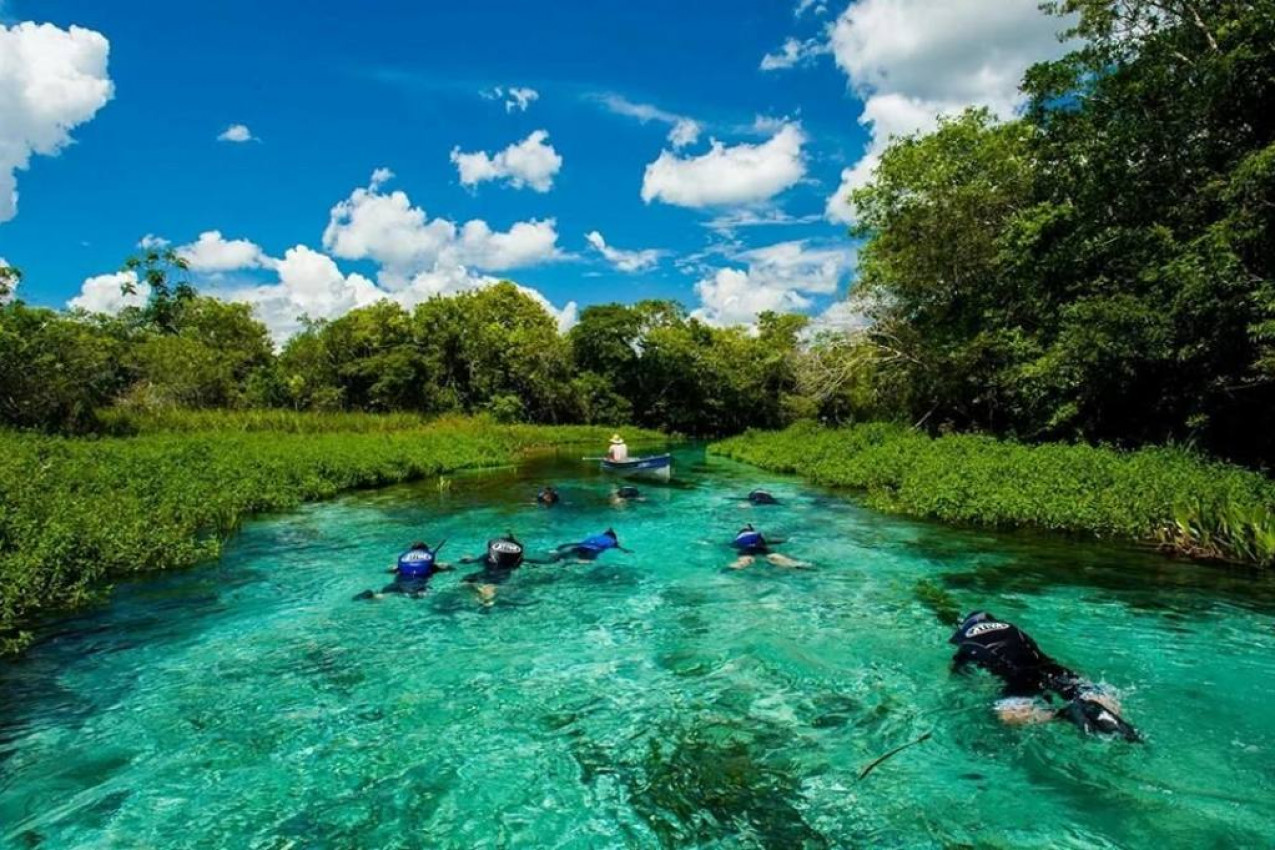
[619,451]
[749,543]
[1032,680]
[412,572]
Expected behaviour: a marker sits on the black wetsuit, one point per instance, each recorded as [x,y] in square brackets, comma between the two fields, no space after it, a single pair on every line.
[761,497]
[503,556]
[1009,653]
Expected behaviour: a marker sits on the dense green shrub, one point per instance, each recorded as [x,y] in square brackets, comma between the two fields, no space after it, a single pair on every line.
[1167,496]
[76,514]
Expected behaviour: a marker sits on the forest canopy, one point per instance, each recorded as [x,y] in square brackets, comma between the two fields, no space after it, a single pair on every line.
[1097,269]
[1100,268]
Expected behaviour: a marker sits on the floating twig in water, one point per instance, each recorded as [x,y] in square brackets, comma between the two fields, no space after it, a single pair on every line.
[894,752]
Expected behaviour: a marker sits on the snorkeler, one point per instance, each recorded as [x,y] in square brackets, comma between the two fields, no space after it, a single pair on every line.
[412,572]
[750,543]
[761,497]
[590,548]
[503,556]
[1032,679]
[548,496]
[625,494]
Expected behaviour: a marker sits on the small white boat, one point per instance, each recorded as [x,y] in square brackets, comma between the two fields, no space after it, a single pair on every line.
[657,466]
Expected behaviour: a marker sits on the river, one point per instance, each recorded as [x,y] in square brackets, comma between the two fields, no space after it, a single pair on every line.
[653,699]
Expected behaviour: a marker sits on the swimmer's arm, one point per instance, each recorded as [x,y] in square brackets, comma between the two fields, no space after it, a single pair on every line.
[444,568]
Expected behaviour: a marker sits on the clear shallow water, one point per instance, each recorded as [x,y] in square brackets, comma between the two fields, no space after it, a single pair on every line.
[654,699]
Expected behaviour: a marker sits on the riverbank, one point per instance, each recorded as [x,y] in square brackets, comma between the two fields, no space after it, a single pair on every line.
[77,514]
[1168,497]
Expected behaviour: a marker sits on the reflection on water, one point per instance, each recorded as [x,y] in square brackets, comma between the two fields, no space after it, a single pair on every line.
[654,699]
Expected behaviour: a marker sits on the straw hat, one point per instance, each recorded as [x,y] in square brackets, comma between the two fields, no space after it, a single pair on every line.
[616,439]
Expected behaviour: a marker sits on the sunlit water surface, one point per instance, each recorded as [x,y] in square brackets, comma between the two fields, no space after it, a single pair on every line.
[655,699]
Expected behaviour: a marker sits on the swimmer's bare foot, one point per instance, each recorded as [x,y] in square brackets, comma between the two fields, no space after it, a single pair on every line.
[486,593]
[743,561]
[1023,711]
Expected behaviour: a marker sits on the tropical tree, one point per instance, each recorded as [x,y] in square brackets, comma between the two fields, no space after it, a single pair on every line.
[163,271]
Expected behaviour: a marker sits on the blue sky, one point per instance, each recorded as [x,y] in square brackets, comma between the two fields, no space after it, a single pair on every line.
[329,93]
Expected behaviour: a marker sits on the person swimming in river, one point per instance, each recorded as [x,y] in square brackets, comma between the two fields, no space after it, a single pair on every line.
[412,572]
[548,496]
[761,497]
[625,494]
[750,543]
[502,556]
[590,548]
[1032,679]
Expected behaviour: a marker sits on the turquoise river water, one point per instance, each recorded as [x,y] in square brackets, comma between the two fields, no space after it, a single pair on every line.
[654,699]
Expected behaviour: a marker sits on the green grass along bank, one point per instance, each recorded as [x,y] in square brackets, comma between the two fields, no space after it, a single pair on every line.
[1168,497]
[77,514]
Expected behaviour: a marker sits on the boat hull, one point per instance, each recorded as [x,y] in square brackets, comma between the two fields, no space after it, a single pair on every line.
[659,466]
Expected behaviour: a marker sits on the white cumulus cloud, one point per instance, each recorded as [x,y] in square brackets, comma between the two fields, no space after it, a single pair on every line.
[417,258]
[794,52]
[740,174]
[309,285]
[532,163]
[151,242]
[780,277]
[911,61]
[845,316]
[625,261]
[105,293]
[237,133]
[683,131]
[386,228]
[525,244]
[514,97]
[51,81]
[213,253]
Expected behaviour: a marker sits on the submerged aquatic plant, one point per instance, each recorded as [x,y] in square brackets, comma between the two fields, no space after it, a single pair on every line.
[701,783]
[938,600]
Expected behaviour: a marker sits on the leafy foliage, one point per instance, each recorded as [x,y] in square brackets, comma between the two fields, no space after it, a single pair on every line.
[76,514]
[675,372]
[1103,267]
[164,274]
[494,350]
[1163,496]
[10,277]
[53,370]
